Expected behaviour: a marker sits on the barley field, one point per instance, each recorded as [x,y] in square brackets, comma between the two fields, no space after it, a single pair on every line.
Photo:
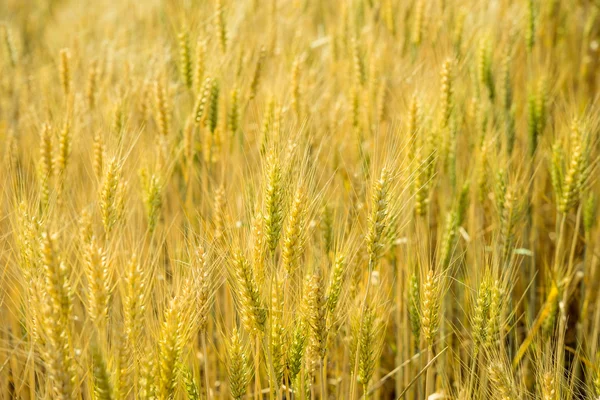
[299,199]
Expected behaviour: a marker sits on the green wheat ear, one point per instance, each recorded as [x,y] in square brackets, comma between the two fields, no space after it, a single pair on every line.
[379,217]
[294,235]
[273,197]
[430,306]
[414,308]
[238,365]
[102,386]
[185,60]
[221,25]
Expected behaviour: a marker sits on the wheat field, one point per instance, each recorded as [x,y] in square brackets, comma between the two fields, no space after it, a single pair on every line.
[299,199]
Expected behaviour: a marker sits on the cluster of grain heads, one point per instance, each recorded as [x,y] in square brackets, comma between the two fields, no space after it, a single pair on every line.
[294,187]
